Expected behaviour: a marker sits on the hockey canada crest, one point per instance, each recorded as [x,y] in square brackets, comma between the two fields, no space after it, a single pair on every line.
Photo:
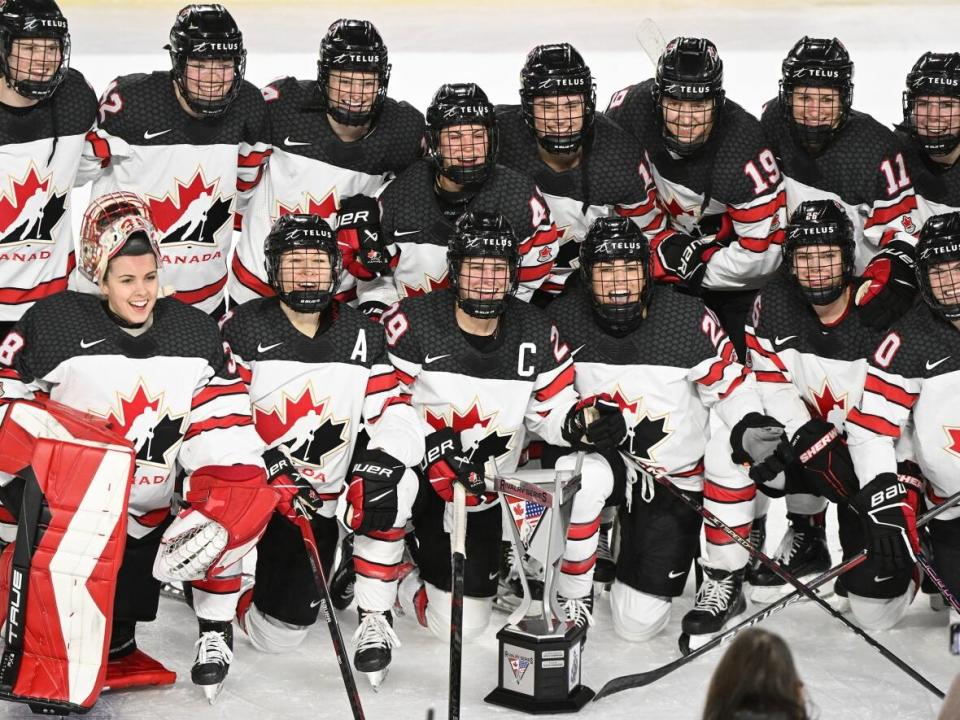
[194,213]
[645,432]
[432,284]
[953,440]
[325,207]
[304,425]
[480,437]
[147,422]
[30,208]
[827,405]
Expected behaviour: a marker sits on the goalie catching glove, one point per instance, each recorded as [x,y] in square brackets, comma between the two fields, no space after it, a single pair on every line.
[229,507]
[372,494]
[298,498]
[594,423]
[445,463]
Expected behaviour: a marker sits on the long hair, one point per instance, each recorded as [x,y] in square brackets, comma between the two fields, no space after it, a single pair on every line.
[756,676]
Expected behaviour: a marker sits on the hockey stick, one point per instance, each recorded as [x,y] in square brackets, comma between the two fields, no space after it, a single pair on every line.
[326,607]
[936,580]
[651,40]
[626,682]
[458,557]
[803,589]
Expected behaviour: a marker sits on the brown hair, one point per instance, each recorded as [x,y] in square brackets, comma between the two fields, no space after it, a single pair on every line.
[756,675]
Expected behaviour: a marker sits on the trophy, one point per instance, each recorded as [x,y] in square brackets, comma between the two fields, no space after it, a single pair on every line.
[539,657]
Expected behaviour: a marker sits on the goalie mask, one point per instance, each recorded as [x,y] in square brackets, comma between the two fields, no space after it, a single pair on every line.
[816,91]
[303,262]
[938,264]
[467,151]
[110,222]
[614,266]
[931,103]
[34,47]
[206,49]
[557,97]
[353,72]
[819,250]
[688,94]
[483,260]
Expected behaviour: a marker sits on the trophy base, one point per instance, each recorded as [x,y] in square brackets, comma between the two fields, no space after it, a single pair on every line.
[540,669]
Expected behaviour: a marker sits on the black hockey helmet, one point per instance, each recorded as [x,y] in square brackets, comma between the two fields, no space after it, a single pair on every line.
[819,63]
[821,223]
[553,71]
[207,32]
[934,75]
[478,235]
[308,232]
[33,20]
[353,46]
[939,242]
[611,239]
[689,69]
[462,104]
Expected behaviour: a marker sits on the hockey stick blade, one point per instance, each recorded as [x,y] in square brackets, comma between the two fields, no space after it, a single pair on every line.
[651,40]
[635,680]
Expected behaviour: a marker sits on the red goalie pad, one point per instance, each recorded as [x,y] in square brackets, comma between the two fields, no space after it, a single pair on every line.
[59,577]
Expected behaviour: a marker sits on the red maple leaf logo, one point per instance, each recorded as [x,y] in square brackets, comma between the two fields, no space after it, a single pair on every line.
[624,403]
[12,203]
[953,436]
[129,409]
[461,421]
[675,209]
[479,436]
[325,208]
[434,284]
[167,211]
[825,401]
[275,423]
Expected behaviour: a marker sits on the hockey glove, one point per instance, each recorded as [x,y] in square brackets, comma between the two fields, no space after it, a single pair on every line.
[888,510]
[682,260]
[594,423]
[365,254]
[297,496]
[760,442]
[373,309]
[823,461]
[372,494]
[445,463]
[888,285]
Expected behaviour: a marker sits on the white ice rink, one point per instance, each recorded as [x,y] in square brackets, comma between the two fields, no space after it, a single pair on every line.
[434,42]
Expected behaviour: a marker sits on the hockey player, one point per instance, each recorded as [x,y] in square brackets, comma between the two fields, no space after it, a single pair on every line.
[930,133]
[483,369]
[826,149]
[317,369]
[716,177]
[808,346]
[909,393]
[665,361]
[334,137]
[421,206]
[126,355]
[585,165]
[46,108]
[192,141]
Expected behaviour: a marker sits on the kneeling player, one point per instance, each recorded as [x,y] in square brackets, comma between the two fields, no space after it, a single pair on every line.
[665,361]
[911,386]
[484,369]
[317,369]
[156,370]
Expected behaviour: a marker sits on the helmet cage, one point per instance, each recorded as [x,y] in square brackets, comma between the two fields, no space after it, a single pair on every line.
[820,223]
[939,243]
[934,75]
[353,48]
[22,22]
[462,104]
[296,232]
[482,235]
[609,240]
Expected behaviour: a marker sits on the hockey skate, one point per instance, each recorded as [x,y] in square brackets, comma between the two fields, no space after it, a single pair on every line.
[214,654]
[719,603]
[605,570]
[344,577]
[374,639]
[510,589]
[758,536]
[802,552]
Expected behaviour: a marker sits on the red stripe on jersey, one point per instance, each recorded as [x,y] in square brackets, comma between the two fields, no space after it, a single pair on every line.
[253,158]
[219,423]
[101,148]
[874,423]
[212,392]
[377,571]
[540,237]
[153,518]
[249,280]
[192,297]
[884,215]
[245,374]
[9,373]
[346,296]
[391,535]
[562,380]
[754,344]
[697,470]
[405,378]
[219,586]
[715,372]
[893,393]
[722,494]
[744,373]
[715,536]
[770,376]
[245,185]
[582,531]
[642,209]
[6,516]
[573,567]
[382,383]
[554,288]
[16,296]
[534,272]
[757,213]
[237,222]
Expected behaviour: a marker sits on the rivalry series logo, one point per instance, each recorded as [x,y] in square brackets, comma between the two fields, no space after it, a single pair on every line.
[304,425]
[30,209]
[480,438]
[193,214]
[147,422]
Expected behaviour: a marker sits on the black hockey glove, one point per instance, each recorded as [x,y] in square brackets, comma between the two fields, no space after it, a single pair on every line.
[682,260]
[823,461]
[445,463]
[888,285]
[372,493]
[760,442]
[594,423]
[298,498]
[365,253]
[888,510]
[373,309]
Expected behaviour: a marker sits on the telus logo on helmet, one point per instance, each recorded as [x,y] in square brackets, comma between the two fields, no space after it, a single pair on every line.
[216,47]
[677,87]
[562,82]
[36,23]
[611,245]
[351,57]
[816,73]
[463,109]
[940,250]
[952,82]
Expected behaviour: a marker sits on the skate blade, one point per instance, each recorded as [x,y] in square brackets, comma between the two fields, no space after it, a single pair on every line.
[688,643]
[766,594]
[376,678]
[212,692]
